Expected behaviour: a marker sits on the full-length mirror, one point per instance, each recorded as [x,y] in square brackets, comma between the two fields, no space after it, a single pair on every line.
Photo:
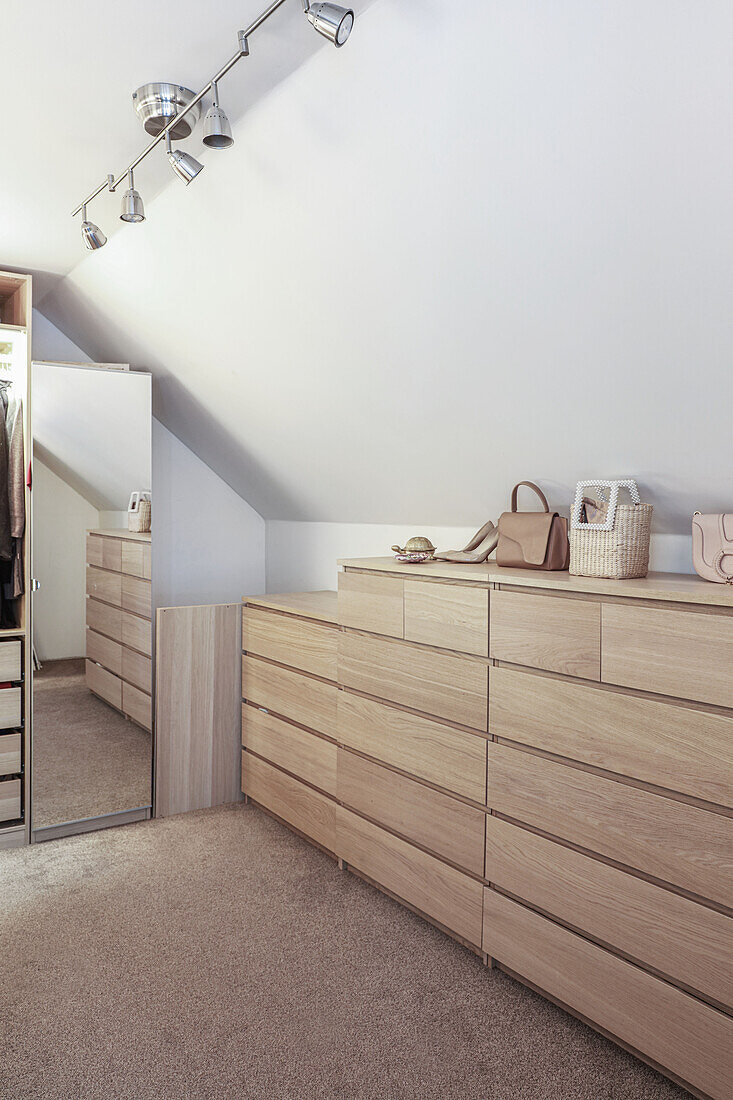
[92,644]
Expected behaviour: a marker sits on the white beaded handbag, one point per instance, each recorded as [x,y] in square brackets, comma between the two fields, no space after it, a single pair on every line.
[618,545]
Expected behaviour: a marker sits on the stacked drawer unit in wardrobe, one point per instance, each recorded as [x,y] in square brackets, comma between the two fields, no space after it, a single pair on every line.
[11,734]
[119,630]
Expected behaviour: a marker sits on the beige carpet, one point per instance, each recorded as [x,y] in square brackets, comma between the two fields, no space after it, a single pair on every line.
[216,955]
[87,758]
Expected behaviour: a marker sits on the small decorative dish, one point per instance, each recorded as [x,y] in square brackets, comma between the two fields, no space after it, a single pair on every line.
[415,550]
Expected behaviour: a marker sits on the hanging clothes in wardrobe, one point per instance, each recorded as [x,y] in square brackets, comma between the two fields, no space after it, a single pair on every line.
[12,504]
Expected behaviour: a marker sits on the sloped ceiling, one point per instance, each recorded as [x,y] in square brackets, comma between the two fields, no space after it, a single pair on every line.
[482,242]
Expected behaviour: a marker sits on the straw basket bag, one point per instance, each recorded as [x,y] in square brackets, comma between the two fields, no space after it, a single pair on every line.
[139,512]
[618,546]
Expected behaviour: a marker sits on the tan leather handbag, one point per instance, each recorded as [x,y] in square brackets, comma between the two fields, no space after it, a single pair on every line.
[712,547]
[533,540]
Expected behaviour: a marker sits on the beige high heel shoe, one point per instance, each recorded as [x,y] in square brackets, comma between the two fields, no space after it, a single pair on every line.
[482,544]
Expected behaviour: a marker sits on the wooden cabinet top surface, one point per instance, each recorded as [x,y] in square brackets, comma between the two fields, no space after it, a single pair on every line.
[309,605]
[121,533]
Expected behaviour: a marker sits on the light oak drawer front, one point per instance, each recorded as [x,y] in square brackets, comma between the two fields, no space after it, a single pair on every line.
[445,826]
[689,1038]
[104,619]
[367,602]
[676,747]
[290,694]
[549,632]
[104,684]
[447,615]
[10,661]
[136,596]
[304,755]
[441,892]
[445,756]
[9,799]
[104,651]
[10,707]
[309,646]
[136,558]
[136,632]
[137,705]
[688,942]
[137,669]
[447,686]
[104,585]
[104,552]
[681,653]
[306,810]
[672,841]
[94,550]
[9,753]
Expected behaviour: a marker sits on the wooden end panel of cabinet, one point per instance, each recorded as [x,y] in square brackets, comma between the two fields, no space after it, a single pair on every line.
[104,684]
[687,942]
[547,632]
[137,669]
[685,654]
[304,755]
[104,651]
[430,750]
[450,616]
[9,799]
[689,1038]
[10,760]
[290,694]
[137,705]
[306,810]
[442,684]
[136,596]
[136,633]
[105,619]
[675,747]
[10,660]
[103,585]
[436,821]
[372,603]
[441,892]
[303,644]
[671,841]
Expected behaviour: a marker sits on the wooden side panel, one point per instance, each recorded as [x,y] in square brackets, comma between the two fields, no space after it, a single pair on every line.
[104,585]
[548,632]
[105,620]
[448,757]
[447,615]
[687,942]
[137,670]
[197,707]
[689,1038]
[674,747]
[136,596]
[9,799]
[10,661]
[681,653]
[671,841]
[306,645]
[290,694]
[305,809]
[303,754]
[104,684]
[136,632]
[445,826]
[441,892]
[368,602]
[104,651]
[10,760]
[441,684]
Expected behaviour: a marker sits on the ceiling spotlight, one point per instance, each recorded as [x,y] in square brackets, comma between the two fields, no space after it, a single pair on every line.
[91,234]
[217,131]
[333,22]
[184,165]
[132,204]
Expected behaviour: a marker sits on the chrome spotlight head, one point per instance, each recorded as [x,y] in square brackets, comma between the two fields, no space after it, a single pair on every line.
[184,165]
[91,234]
[217,131]
[333,22]
[132,204]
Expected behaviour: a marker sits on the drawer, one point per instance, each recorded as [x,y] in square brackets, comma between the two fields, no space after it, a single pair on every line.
[104,619]
[306,810]
[137,669]
[10,761]
[10,707]
[690,1039]
[431,886]
[136,596]
[549,632]
[681,653]
[135,558]
[292,695]
[672,841]
[447,686]
[9,800]
[369,602]
[104,684]
[676,747]
[104,585]
[447,615]
[136,632]
[448,757]
[137,705]
[303,644]
[104,652]
[10,661]
[445,826]
[304,755]
[106,553]
[687,942]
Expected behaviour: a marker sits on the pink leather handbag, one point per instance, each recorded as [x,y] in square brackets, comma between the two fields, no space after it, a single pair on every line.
[712,547]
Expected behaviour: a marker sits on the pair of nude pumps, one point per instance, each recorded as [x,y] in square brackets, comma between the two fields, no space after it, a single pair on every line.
[481,545]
